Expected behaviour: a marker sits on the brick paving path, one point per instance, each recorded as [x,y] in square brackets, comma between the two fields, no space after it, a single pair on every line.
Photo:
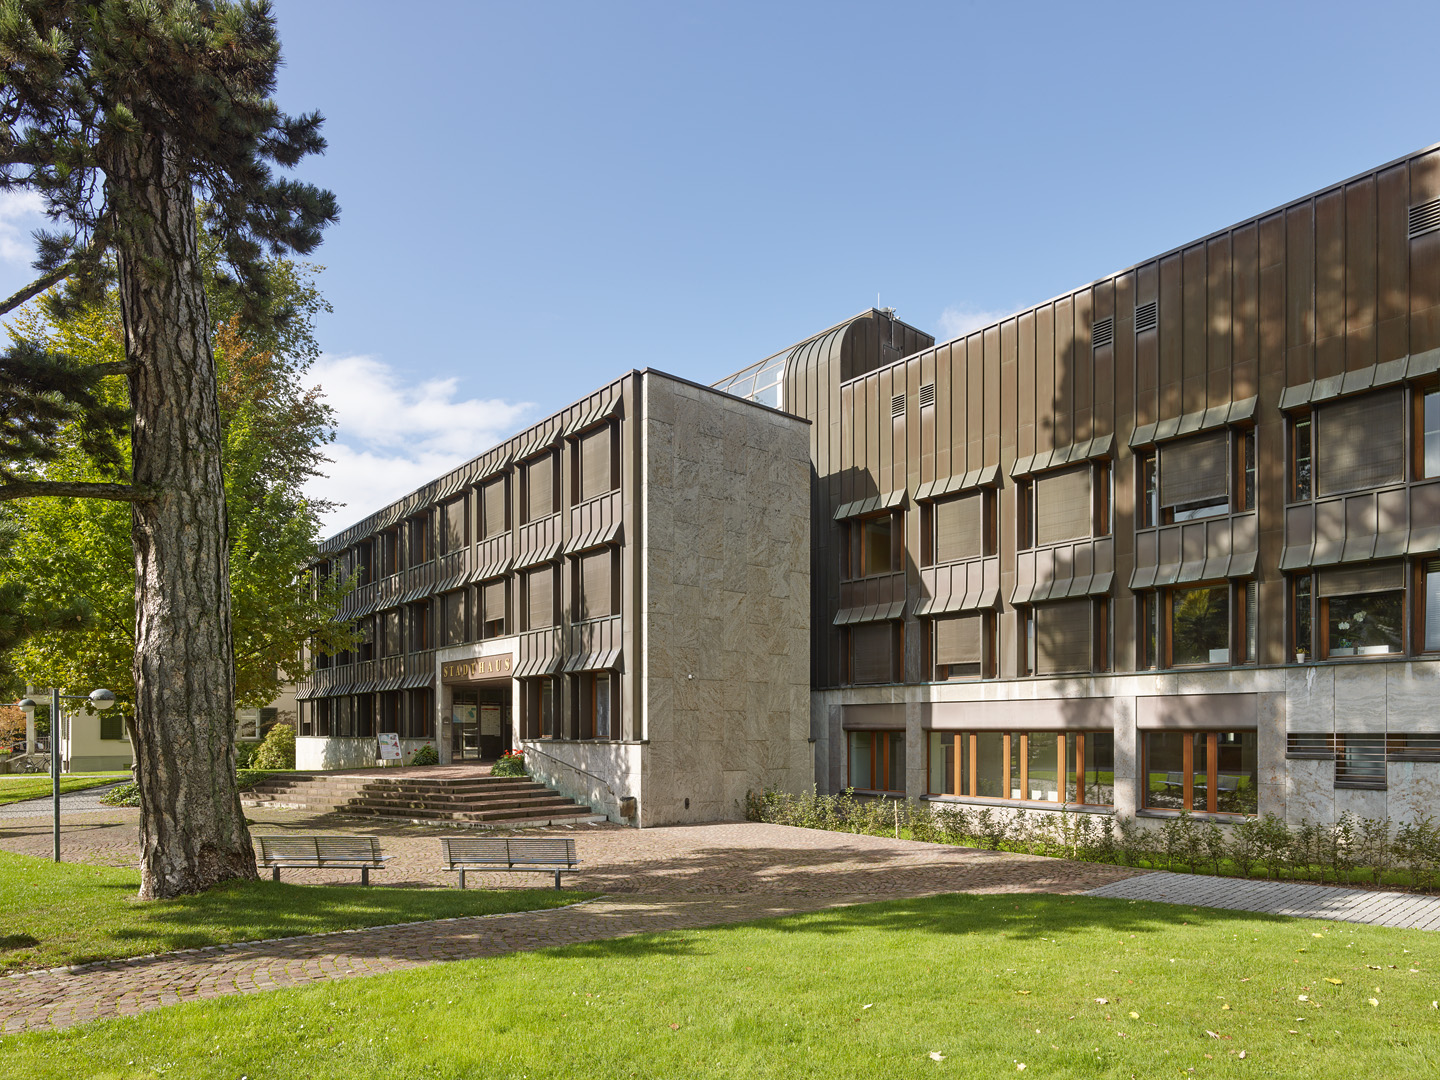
[655,879]
[71,802]
[1282,898]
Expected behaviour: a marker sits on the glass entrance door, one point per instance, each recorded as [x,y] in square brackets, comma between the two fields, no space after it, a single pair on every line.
[464,727]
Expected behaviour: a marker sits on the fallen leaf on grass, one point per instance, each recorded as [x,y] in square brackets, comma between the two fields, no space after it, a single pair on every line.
[674,1027]
[936,1055]
[1134,1015]
[1242,1053]
[1212,1034]
[1336,982]
[1022,991]
[1225,1007]
[870,1006]
[1102,1001]
[1374,1002]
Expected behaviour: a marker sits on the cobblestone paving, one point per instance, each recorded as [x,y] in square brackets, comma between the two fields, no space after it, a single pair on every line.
[1282,898]
[655,879]
[71,802]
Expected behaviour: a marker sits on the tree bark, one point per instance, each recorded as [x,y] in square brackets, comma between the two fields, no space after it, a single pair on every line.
[192,829]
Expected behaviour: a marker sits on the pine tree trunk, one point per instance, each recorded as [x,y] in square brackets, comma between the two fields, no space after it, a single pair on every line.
[192,829]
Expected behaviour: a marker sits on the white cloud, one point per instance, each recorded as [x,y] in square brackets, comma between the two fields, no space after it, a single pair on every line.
[393,435]
[961,319]
[21,213]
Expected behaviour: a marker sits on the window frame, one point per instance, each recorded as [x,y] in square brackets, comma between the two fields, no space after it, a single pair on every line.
[989,527]
[853,551]
[1070,765]
[988,646]
[897,654]
[1102,504]
[1187,771]
[1100,627]
[880,738]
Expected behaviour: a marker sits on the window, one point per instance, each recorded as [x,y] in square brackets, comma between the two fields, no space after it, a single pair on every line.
[540,597]
[537,702]
[963,646]
[453,617]
[494,507]
[365,561]
[112,726]
[876,760]
[1024,766]
[1301,613]
[421,549]
[1202,771]
[418,721]
[595,584]
[365,716]
[420,638]
[387,710]
[453,518]
[1147,645]
[1430,597]
[1360,442]
[388,543]
[390,642]
[1362,610]
[874,652]
[493,609]
[1063,506]
[540,487]
[595,462]
[366,630]
[1197,477]
[1065,637]
[1199,625]
[872,547]
[1302,462]
[595,704]
[957,529]
[1429,448]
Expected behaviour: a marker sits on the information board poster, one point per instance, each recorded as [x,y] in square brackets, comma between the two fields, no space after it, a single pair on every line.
[490,719]
[389,746]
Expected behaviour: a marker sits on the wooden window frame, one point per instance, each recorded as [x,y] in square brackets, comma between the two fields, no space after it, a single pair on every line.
[1300,489]
[1419,394]
[897,655]
[1168,622]
[989,527]
[1070,766]
[854,553]
[1187,760]
[1322,627]
[988,642]
[877,770]
[1147,488]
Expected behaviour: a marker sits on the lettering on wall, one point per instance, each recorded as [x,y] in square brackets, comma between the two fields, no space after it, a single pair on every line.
[478,669]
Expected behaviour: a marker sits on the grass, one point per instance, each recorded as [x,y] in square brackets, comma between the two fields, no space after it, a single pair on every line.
[1065,986]
[15,789]
[70,913]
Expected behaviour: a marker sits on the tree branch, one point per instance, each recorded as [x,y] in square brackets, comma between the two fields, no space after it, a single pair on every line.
[39,285]
[117,367]
[30,489]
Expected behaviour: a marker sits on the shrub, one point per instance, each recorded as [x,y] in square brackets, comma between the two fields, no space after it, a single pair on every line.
[426,755]
[125,795]
[278,749]
[511,764]
[245,754]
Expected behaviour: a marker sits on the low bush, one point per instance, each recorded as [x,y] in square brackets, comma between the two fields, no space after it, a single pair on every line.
[511,764]
[278,749]
[1365,850]
[245,754]
[124,795]
[426,755]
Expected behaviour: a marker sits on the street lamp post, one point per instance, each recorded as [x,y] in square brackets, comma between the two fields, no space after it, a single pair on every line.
[99,700]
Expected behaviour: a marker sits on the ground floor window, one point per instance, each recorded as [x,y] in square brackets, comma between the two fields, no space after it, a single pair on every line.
[537,704]
[595,705]
[418,721]
[876,760]
[1203,771]
[1024,766]
[387,712]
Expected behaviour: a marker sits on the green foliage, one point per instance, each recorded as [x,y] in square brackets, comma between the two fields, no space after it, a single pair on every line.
[426,755]
[124,795]
[277,751]
[511,763]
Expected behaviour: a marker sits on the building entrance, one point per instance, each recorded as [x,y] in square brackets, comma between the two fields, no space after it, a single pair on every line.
[480,723]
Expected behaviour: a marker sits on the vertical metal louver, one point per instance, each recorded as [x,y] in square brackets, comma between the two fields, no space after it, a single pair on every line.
[1147,316]
[927,394]
[897,405]
[1103,332]
[1424,218]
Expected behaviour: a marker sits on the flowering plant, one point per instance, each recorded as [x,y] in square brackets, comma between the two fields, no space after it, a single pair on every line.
[511,763]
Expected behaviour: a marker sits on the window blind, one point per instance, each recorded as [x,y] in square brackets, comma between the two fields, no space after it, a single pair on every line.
[1357,580]
[455,524]
[540,481]
[1360,443]
[957,640]
[1194,470]
[870,651]
[1062,637]
[595,463]
[1062,505]
[454,618]
[595,587]
[541,590]
[960,528]
[1432,605]
[494,507]
[493,599]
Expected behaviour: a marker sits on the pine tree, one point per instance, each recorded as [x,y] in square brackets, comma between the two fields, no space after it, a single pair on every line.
[120,113]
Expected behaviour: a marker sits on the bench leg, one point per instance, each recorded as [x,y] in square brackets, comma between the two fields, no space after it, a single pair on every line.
[462,879]
[275,874]
[365,875]
[557,880]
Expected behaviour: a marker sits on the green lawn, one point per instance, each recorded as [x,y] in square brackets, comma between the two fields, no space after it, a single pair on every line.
[15,789]
[1066,987]
[72,913]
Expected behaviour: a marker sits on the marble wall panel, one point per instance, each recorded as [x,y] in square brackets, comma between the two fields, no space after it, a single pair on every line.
[1412,696]
[1310,791]
[1360,803]
[1414,790]
[1310,699]
[1360,698]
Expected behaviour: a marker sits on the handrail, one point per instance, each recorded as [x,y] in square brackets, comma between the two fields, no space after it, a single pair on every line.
[575,768]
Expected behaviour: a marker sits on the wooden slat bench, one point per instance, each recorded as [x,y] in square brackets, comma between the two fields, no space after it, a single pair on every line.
[461,853]
[322,853]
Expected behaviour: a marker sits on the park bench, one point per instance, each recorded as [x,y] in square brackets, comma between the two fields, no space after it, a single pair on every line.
[461,853]
[322,853]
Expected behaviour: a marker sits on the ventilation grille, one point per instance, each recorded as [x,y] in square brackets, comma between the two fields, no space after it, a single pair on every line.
[1424,218]
[927,394]
[1103,332]
[1147,316]
[1413,747]
[897,405]
[1360,761]
[1304,745]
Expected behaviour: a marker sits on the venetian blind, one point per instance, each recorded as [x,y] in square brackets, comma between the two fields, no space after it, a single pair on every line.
[1062,505]
[595,462]
[595,589]
[1062,637]
[1360,443]
[960,528]
[493,599]
[870,652]
[455,524]
[1356,580]
[541,590]
[1432,605]
[957,640]
[540,481]
[454,618]
[493,497]
[1194,470]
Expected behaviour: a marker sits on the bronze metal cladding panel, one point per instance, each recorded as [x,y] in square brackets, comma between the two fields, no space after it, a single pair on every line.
[1425,259]
[990,449]
[1329,531]
[926,433]
[1082,364]
[1171,336]
[944,410]
[1272,296]
[1045,378]
[1392,301]
[914,377]
[1245,312]
[1219,330]
[1299,293]
[1025,392]
[1329,284]
[1064,406]
[1193,364]
[974,399]
[1103,364]
[1360,275]
[957,639]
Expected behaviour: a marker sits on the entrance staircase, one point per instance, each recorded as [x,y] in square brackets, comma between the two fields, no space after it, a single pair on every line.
[473,801]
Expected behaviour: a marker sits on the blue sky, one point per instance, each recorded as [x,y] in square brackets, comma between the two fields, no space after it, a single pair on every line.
[536,197]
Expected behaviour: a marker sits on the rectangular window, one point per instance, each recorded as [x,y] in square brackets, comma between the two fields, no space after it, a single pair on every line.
[1059,637]
[453,516]
[877,760]
[387,716]
[421,549]
[1148,474]
[874,652]
[962,528]
[1024,766]
[540,597]
[1362,610]
[1245,465]
[1044,772]
[595,472]
[963,646]
[1199,625]
[1193,477]
[1301,459]
[1064,505]
[595,584]
[1430,580]
[365,716]
[419,718]
[1430,433]
[992,765]
[1148,642]
[389,545]
[540,487]
[1205,772]
[595,704]
[493,506]
[537,700]
[1360,442]
[453,605]
[874,549]
[1095,756]
[420,638]
[493,613]
[949,765]
[1302,638]
[390,641]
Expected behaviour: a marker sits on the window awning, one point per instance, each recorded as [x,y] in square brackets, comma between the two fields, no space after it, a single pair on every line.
[538,442]
[869,613]
[1374,377]
[537,665]
[887,500]
[537,555]
[603,411]
[1102,447]
[418,682]
[1239,564]
[597,537]
[493,569]
[1217,416]
[973,599]
[1064,588]
[306,693]
[949,485]
[604,660]
[392,683]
